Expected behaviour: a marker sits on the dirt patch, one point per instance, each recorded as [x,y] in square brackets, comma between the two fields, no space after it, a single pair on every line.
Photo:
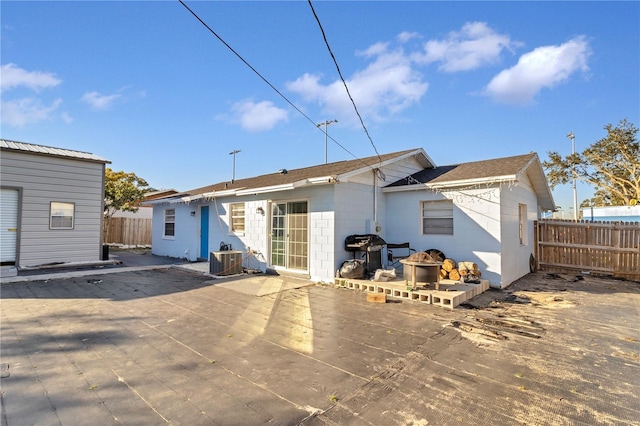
[548,300]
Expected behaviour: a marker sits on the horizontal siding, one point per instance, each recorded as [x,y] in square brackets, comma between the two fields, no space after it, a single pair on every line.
[401,169]
[43,180]
[43,255]
[29,178]
[48,163]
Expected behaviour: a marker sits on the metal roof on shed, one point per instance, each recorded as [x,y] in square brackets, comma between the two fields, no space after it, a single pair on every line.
[50,151]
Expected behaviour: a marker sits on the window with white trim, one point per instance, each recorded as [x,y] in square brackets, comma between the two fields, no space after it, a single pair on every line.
[522,221]
[437,217]
[61,215]
[169,223]
[237,217]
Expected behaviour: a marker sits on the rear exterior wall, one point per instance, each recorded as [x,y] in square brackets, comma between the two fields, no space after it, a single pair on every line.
[476,226]
[516,253]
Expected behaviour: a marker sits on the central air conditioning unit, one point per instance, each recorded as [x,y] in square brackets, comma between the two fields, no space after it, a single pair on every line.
[225,262]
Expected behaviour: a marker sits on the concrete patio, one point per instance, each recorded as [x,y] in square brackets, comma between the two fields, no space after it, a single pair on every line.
[169,346]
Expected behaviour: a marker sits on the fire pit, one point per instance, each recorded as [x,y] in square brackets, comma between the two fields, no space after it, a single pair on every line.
[424,272]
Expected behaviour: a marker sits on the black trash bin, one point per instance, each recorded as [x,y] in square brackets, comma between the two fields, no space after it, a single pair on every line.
[105,252]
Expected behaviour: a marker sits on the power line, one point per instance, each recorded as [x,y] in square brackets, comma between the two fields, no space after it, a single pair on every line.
[324,36]
[268,82]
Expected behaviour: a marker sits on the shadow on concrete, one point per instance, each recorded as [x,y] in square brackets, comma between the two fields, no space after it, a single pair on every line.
[125,285]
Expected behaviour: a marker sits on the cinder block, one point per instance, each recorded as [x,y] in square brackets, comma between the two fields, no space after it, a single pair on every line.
[371,288]
[376,298]
[449,299]
[424,298]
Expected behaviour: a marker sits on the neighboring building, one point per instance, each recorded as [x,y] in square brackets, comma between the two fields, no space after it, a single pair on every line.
[612,214]
[145,211]
[51,205]
[133,228]
[297,221]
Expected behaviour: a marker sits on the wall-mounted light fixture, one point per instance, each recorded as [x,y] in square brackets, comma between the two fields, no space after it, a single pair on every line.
[193,213]
[260,210]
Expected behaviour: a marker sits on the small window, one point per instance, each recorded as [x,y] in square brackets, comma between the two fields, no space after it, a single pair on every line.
[522,220]
[237,217]
[170,222]
[61,215]
[437,217]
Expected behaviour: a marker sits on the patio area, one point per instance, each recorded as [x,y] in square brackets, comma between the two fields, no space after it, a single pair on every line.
[169,346]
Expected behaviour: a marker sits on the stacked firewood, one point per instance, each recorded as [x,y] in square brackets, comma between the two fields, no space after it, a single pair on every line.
[455,271]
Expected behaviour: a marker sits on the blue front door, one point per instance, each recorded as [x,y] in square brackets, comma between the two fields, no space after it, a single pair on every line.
[204,232]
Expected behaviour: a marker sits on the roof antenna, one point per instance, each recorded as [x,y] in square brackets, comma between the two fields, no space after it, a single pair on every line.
[234,152]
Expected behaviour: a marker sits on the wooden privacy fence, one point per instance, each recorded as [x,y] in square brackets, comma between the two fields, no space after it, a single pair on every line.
[128,231]
[607,248]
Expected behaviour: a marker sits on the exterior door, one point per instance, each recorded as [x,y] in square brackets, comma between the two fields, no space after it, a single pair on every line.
[204,232]
[289,235]
[8,225]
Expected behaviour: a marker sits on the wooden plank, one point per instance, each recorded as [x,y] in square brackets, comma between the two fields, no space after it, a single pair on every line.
[376,297]
[129,231]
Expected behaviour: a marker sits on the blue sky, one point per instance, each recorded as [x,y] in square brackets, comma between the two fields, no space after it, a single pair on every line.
[147,86]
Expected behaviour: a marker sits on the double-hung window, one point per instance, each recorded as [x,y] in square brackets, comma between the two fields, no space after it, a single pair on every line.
[437,217]
[61,215]
[237,217]
[169,223]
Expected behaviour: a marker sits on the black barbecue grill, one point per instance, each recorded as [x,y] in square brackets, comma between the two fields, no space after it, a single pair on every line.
[370,245]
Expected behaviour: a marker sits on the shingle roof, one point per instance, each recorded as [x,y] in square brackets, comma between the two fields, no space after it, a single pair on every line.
[476,172]
[296,175]
[50,151]
[486,169]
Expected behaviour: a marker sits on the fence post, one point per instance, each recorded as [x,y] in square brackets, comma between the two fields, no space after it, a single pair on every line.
[536,246]
[615,242]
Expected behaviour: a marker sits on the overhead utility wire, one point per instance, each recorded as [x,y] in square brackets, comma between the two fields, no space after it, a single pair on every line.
[265,80]
[343,81]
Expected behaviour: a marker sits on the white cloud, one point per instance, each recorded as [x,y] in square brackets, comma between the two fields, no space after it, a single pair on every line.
[260,116]
[13,77]
[64,115]
[543,67]
[20,112]
[405,36]
[98,101]
[387,86]
[26,110]
[475,45]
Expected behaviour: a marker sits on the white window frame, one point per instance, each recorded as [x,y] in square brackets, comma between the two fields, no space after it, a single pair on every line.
[58,211]
[522,224]
[440,213]
[237,218]
[169,218]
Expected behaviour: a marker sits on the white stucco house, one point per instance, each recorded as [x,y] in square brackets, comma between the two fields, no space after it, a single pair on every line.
[51,205]
[296,221]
